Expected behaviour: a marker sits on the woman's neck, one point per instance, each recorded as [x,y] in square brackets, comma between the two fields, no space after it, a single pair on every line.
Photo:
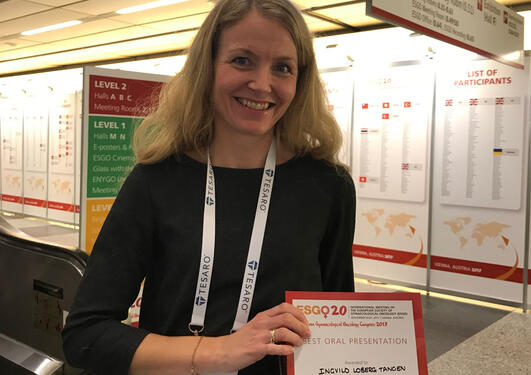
[241,153]
[245,152]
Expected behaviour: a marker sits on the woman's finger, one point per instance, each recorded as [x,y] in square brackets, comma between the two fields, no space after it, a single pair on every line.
[289,321]
[285,336]
[287,308]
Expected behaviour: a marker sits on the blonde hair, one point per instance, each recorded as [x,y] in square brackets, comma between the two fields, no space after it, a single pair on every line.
[184,117]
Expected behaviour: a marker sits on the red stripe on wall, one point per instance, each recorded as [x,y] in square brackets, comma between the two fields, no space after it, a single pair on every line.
[11,198]
[34,202]
[61,206]
[465,267]
[388,255]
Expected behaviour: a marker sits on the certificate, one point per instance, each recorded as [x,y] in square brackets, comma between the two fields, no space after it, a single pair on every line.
[360,333]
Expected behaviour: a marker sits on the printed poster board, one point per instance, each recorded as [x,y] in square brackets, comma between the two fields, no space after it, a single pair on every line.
[35,158]
[391,138]
[11,123]
[114,102]
[480,180]
[61,158]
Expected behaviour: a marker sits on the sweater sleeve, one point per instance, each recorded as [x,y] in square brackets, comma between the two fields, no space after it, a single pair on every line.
[94,337]
[335,255]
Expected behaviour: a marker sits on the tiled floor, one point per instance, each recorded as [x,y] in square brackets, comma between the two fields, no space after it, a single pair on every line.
[461,338]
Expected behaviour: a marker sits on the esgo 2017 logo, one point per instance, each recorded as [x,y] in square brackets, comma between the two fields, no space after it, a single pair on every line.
[323,310]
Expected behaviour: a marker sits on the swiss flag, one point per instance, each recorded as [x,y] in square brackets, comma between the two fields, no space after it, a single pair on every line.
[363,179]
[385,105]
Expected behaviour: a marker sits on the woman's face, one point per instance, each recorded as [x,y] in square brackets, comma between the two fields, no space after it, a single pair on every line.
[255,76]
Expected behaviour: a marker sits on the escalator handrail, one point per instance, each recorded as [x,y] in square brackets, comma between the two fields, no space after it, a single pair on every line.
[12,235]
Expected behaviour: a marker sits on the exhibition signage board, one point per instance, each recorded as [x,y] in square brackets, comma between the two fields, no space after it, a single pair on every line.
[39,154]
[115,103]
[11,122]
[63,125]
[480,180]
[359,333]
[35,158]
[481,26]
[391,137]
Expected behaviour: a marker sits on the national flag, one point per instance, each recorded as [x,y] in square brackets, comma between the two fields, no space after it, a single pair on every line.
[363,179]
[407,104]
[405,166]
[473,102]
[498,151]
[448,102]
[365,106]
[385,116]
[364,130]
[499,100]
[385,105]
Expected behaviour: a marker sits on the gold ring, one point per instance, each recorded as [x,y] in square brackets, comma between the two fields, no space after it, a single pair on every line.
[272,336]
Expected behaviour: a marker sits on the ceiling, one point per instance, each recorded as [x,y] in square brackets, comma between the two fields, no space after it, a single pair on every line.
[105,35]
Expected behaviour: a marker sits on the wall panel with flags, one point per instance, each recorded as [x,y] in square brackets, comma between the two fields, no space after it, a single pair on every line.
[391,138]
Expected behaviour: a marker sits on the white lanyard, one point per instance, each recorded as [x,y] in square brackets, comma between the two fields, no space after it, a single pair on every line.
[253,256]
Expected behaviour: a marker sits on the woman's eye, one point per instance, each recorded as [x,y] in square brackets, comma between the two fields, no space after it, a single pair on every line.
[283,68]
[240,60]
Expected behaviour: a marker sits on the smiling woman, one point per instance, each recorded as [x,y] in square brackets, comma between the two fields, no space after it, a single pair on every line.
[241,141]
[184,119]
[255,79]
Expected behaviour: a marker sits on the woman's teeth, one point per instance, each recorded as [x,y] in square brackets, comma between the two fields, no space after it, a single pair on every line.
[254,105]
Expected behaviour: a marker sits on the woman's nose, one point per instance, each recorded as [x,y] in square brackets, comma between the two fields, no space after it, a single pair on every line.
[260,80]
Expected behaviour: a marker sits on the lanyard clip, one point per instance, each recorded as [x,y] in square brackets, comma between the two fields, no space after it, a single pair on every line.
[195,332]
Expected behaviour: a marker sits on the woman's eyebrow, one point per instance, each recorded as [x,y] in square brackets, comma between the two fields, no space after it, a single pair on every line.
[251,53]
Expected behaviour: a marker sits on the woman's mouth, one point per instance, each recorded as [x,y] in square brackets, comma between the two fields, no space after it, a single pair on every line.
[259,106]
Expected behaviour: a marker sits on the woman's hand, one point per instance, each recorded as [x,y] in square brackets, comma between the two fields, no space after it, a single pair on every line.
[284,324]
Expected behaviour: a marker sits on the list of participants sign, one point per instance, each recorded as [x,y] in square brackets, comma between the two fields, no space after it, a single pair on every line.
[481,124]
[391,118]
[355,333]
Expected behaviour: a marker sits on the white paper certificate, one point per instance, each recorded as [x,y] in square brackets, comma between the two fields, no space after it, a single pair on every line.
[360,333]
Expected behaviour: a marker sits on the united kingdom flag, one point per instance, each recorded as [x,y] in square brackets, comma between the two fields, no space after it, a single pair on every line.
[449,102]
[499,100]
[473,102]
